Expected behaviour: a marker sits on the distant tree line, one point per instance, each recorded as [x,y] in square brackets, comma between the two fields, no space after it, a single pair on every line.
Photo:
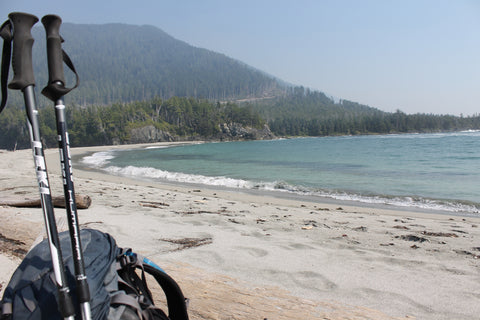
[303,112]
[300,112]
[187,118]
[397,122]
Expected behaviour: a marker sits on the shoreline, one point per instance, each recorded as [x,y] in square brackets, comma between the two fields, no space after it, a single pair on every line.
[78,153]
[259,256]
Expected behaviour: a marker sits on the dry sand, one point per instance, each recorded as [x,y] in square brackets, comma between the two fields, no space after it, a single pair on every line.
[244,256]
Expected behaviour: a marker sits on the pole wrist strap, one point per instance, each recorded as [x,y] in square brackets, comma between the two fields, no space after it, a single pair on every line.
[6,34]
[56,90]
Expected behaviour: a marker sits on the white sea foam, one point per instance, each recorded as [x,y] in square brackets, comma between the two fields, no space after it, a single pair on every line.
[98,159]
[412,202]
[157,147]
[104,161]
[406,202]
[152,173]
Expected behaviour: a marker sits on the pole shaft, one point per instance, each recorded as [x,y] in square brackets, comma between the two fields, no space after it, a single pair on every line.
[83,292]
[54,91]
[64,300]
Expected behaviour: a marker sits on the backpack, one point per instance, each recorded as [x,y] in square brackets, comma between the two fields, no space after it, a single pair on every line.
[116,278]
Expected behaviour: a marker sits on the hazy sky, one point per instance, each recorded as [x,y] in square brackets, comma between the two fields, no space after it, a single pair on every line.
[412,55]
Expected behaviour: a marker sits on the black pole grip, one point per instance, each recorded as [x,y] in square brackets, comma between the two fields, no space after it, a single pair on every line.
[55,88]
[22,50]
[52,24]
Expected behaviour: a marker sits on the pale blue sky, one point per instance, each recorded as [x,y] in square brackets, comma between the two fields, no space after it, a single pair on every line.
[412,55]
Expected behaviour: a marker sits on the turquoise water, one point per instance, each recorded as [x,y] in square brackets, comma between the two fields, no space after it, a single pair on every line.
[430,171]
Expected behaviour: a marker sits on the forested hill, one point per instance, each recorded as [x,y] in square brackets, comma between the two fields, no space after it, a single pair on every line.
[303,112]
[138,84]
[123,63]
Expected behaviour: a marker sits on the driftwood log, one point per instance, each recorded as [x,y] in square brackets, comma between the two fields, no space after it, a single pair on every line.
[83,202]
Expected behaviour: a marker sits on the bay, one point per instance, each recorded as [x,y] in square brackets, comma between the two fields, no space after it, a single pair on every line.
[429,171]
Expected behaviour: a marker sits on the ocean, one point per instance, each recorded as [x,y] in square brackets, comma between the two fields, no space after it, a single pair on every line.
[439,172]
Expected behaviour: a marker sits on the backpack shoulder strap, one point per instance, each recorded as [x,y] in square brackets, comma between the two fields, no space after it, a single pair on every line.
[177,304]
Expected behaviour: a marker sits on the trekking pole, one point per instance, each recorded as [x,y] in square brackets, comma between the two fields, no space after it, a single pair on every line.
[55,90]
[24,80]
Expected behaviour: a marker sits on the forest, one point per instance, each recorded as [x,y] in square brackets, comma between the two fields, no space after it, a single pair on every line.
[300,112]
[180,118]
[119,62]
[134,77]
[303,112]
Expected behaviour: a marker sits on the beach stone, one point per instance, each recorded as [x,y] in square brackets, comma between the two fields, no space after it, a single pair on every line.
[361,229]
[412,237]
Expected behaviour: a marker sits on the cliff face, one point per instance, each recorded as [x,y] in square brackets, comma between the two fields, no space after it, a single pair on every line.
[227,132]
[236,131]
[150,134]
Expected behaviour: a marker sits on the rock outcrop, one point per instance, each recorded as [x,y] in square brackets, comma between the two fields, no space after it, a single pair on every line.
[150,134]
[226,132]
[236,131]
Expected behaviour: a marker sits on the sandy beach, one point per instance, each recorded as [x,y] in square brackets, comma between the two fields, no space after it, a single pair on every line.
[246,256]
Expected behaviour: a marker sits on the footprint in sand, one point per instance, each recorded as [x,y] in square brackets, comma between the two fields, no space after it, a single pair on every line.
[299,246]
[255,252]
[207,257]
[304,279]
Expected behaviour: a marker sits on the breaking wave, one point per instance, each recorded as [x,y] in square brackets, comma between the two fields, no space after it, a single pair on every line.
[101,161]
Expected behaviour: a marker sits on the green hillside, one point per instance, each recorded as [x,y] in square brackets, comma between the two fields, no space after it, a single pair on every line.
[138,84]
[118,62]
[303,112]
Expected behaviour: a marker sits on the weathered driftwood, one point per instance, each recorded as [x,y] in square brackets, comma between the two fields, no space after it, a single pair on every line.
[83,202]
[153,204]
